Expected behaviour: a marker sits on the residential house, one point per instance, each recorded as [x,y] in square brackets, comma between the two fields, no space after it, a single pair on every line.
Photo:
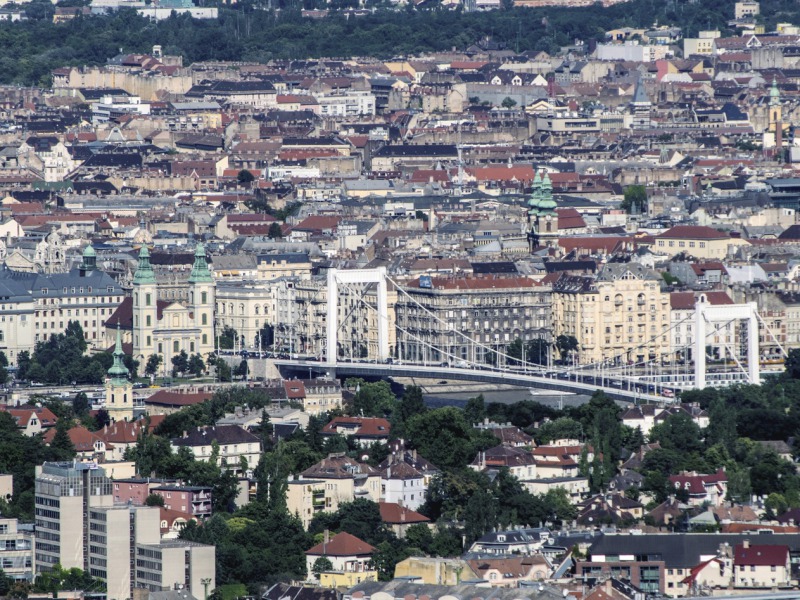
[235,449]
[364,431]
[329,483]
[760,566]
[32,420]
[350,557]
[510,571]
[702,489]
[399,518]
[698,241]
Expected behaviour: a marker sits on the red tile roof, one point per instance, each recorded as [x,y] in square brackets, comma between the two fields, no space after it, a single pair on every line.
[23,415]
[295,390]
[81,438]
[393,513]
[342,544]
[760,555]
[365,426]
[693,232]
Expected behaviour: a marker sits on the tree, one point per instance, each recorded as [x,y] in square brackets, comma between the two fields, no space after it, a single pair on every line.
[153,363]
[412,403]
[275,231]
[227,338]
[245,177]
[3,367]
[266,336]
[154,500]
[635,199]
[196,365]
[443,436]
[515,351]
[566,345]
[508,102]
[223,370]
[61,446]
[80,404]
[321,565]
[242,370]
[560,429]
[475,410]
[537,352]
[372,399]
[180,363]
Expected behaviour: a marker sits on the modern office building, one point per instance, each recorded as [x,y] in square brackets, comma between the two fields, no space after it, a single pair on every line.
[78,525]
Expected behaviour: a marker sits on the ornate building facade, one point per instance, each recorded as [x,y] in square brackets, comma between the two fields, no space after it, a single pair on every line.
[166,327]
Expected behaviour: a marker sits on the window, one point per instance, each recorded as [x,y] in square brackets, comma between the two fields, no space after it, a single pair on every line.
[147,299]
[176,346]
[147,320]
[203,297]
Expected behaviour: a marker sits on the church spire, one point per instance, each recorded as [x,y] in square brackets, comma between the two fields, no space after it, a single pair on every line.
[118,371]
[200,272]
[144,272]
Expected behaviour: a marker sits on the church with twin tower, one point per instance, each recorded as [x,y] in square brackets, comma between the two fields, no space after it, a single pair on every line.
[166,327]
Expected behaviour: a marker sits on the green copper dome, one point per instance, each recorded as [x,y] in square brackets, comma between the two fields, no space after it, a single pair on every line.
[200,272]
[144,272]
[547,204]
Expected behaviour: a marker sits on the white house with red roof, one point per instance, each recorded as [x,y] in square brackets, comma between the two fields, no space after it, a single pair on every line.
[365,431]
[347,554]
[32,419]
[702,488]
[761,566]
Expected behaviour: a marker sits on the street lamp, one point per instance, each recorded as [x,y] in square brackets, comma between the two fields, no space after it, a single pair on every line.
[205,581]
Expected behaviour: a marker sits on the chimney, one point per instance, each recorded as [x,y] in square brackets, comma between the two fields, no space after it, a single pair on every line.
[746,544]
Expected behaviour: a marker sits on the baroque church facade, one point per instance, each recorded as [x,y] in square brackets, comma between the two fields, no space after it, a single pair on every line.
[155,326]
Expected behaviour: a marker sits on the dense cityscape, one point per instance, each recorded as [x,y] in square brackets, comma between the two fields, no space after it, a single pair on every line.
[481,300]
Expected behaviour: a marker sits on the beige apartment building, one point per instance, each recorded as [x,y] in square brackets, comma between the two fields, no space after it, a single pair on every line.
[697,241]
[620,316]
[331,482]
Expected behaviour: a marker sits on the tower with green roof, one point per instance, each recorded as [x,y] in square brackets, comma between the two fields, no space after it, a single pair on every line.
[88,261]
[119,389]
[145,307]
[544,218]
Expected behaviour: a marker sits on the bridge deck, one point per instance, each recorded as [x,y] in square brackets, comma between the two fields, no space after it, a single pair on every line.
[466,374]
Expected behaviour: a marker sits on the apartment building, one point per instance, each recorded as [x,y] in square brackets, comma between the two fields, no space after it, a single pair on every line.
[36,306]
[78,525]
[238,450]
[621,316]
[469,319]
[331,482]
[16,549]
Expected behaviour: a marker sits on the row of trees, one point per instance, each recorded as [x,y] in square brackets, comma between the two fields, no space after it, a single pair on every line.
[62,359]
[31,49]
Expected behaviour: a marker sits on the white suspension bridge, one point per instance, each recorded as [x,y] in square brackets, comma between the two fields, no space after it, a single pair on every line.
[347,338]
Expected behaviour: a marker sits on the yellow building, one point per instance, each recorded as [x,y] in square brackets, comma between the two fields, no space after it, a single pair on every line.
[619,317]
[433,570]
[697,241]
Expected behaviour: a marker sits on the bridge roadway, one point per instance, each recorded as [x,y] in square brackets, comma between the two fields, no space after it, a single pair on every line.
[476,375]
